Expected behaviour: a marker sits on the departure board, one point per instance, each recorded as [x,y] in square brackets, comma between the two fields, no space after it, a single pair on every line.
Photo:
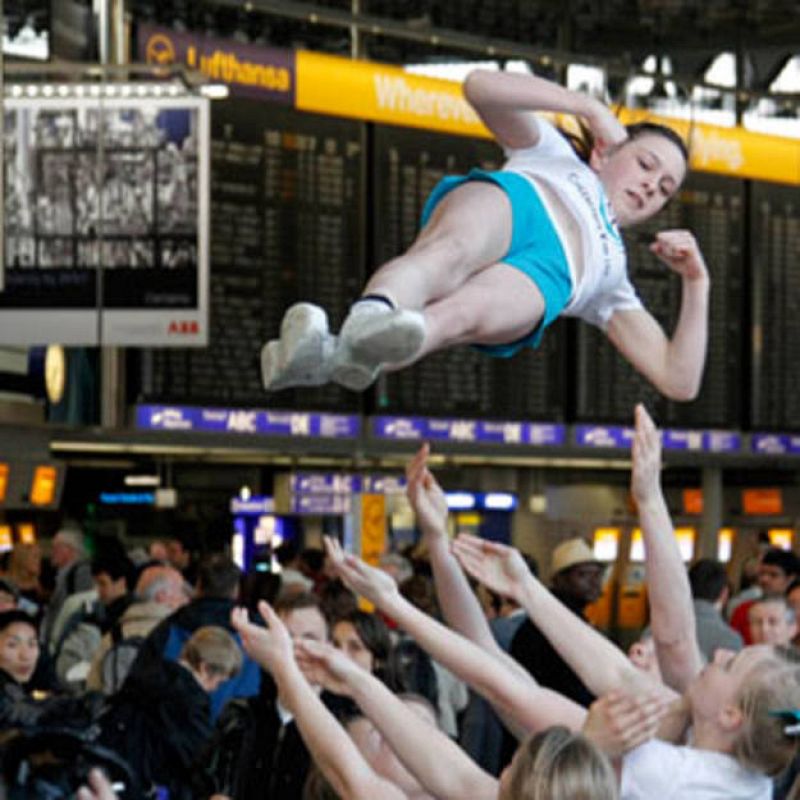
[406,165]
[607,386]
[287,214]
[775,236]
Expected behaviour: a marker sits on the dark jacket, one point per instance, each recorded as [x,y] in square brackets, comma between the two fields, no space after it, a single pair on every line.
[18,709]
[159,722]
[254,755]
[533,650]
[168,637]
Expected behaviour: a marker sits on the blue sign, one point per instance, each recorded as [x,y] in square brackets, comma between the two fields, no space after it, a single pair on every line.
[247,421]
[127,498]
[775,443]
[469,430]
[256,505]
[603,436]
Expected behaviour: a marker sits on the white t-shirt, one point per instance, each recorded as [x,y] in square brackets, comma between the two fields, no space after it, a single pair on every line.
[663,771]
[604,286]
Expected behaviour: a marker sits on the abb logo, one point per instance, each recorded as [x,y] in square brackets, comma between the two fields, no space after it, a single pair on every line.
[184,327]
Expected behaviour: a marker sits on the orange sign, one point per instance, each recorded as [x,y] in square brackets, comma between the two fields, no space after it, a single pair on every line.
[3,482]
[762,501]
[6,542]
[373,527]
[43,487]
[692,501]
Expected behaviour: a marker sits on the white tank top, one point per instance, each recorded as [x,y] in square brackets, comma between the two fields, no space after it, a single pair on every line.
[600,283]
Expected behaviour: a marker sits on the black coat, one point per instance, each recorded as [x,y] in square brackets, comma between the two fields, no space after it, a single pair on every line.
[159,722]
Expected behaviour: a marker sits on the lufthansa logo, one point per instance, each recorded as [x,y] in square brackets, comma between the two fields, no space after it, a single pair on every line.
[160,50]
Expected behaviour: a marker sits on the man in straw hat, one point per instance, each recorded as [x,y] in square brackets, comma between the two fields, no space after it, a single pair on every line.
[576,578]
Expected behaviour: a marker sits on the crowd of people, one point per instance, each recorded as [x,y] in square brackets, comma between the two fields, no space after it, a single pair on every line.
[467,678]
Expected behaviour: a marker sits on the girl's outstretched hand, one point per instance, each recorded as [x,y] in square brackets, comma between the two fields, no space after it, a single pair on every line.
[426,496]
[646,453]
[618,722]
[497,566]
[324,665]
[373,584]
[270,647]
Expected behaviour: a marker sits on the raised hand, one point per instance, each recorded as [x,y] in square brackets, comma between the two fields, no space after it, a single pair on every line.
[679,250]
[646,453]
[607,130]
[373,584]
[619,722]
[426,496]
[502,569]
[271,647]
[324,665]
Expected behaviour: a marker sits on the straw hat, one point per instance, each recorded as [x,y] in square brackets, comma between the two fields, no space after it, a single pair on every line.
[570,553]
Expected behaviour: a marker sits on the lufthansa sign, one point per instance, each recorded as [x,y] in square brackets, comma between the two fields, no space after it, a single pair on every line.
[266,73]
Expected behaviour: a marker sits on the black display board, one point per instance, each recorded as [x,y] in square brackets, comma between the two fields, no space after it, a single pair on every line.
[607,386]
[286,224]
[406,165]
[775,234]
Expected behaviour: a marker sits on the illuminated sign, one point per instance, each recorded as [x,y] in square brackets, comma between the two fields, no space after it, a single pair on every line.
[26,533]
[781,538]
[3,481]
[43,486]
[606,544]
[756,502]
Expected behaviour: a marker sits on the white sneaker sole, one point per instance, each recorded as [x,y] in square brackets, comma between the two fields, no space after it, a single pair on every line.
[389,338]
[302,355]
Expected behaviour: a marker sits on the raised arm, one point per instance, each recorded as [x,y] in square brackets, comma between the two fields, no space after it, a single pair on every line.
[671,611]
[525,702]
[330,746]
[674,366]
[505,102]
[437,762]
[458,602]
[597,662]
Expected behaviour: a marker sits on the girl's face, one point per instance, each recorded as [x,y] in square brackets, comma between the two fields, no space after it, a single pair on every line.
[640,176]
[346,638]
[720,681]
[19,651]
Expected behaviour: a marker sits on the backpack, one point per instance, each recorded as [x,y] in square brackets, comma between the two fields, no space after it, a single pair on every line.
[118,659]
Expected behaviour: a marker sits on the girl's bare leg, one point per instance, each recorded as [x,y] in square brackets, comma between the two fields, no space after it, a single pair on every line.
[469,230]
[497,305]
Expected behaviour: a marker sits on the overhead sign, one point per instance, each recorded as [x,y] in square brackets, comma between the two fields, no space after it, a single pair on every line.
[470,430]
[106,219]
[247,421]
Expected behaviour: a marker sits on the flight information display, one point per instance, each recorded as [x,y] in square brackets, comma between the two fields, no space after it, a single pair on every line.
[287,210]
[775,236]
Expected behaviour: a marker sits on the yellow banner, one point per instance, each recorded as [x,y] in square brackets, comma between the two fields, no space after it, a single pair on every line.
[381,93]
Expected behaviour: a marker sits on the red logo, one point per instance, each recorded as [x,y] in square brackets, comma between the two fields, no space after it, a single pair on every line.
[184,327]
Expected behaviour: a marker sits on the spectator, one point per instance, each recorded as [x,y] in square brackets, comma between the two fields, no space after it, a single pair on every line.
[217,591]
[709,585]
[267,759]
[160,720]
[772,621]
[74,574]
[160,591]
[776,570]
[180,556]
[24,571]
[288,555]
[577,581]
[364,638]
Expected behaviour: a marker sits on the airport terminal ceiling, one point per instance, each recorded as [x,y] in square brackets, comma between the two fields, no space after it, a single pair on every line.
[621,33]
